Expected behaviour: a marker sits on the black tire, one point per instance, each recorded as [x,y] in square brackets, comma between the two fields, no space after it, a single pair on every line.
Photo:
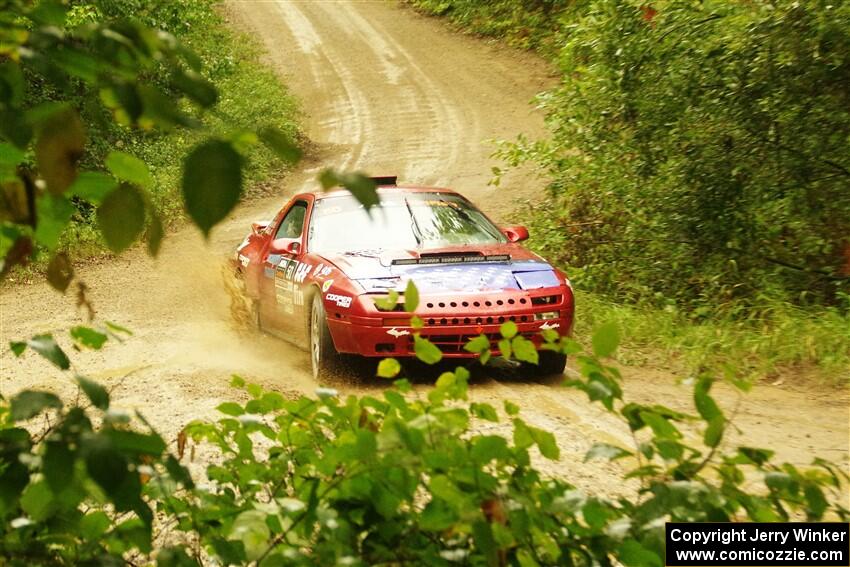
[324,359]
[550,363]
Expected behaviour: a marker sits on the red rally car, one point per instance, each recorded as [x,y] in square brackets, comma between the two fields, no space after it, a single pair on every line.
[313,273]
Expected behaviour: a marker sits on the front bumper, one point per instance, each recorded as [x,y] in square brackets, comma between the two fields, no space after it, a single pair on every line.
[451,320]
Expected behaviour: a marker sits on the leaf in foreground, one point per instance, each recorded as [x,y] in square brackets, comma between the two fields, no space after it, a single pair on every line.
[121,217]
[212,183]
[30,403]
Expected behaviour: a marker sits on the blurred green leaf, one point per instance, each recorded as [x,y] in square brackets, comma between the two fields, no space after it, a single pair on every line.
[426,351]
[60,144]
[387,303]
[632,554]
[88,337]
[12,85]
[134,442]
[154,234]
[388,368]
[160,109]
[60,272]
[595,513]
[546,443]
[212,183]
[281,144]
[705,404]
[48,13]
[37,501]
[30,403]
[95,392]
[477,344]
[121,217]
[361,187]
[508,329]
[53,214]
[484,411]
[524,350]
[250,528]
[10,155]
[195,87]
[606,452]
[504,346]
[129,168]
[58,465]
[411,297]
[47,347]
[714,432]
[605,340]
[94,525]
[230,408]
[92,186]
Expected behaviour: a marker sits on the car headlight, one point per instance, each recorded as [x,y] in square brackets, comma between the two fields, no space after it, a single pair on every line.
[372,285]
[546,315]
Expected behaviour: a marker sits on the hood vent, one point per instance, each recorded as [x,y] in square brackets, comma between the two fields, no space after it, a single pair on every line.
[451,258]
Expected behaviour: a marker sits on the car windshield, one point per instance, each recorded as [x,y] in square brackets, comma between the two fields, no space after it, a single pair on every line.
[401,220]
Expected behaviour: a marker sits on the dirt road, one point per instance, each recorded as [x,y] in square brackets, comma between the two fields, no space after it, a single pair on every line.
[386,91]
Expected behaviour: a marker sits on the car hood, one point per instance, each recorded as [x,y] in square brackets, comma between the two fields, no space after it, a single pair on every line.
[447,270]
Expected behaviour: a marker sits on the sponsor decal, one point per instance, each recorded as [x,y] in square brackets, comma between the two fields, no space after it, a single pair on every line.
[398,333]
[340,300]
[327,285]
[321,270]
[548,325]
[244,260]
[284,292]
[302,271]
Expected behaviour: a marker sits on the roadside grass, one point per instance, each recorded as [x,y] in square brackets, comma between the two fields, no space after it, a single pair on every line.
[520,24]
[777,341]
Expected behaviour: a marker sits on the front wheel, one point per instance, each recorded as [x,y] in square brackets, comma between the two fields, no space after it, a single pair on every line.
[324,358]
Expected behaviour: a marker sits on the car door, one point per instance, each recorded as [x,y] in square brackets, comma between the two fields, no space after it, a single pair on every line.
[282,295]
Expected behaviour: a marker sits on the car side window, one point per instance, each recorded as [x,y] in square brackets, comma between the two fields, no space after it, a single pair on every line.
[293,223]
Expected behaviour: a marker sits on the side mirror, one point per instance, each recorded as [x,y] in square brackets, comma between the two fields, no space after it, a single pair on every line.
[515,233]
[258,226]
[285,246]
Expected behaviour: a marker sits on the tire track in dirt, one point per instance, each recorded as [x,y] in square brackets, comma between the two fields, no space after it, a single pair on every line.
[387,91]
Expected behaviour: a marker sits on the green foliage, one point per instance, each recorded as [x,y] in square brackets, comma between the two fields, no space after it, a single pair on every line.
[73,489]
[98,111]
[529,24]
[395,478]
[699,153]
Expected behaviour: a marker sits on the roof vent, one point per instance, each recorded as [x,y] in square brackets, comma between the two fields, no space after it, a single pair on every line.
[385,180]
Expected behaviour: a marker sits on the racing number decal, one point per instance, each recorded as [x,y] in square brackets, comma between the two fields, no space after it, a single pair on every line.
[289,276]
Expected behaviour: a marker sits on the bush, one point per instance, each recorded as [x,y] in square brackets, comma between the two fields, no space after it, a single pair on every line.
[699,152]
[404,477]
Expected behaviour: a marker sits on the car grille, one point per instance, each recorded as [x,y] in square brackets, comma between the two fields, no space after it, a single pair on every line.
[434,322]
[455,343]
